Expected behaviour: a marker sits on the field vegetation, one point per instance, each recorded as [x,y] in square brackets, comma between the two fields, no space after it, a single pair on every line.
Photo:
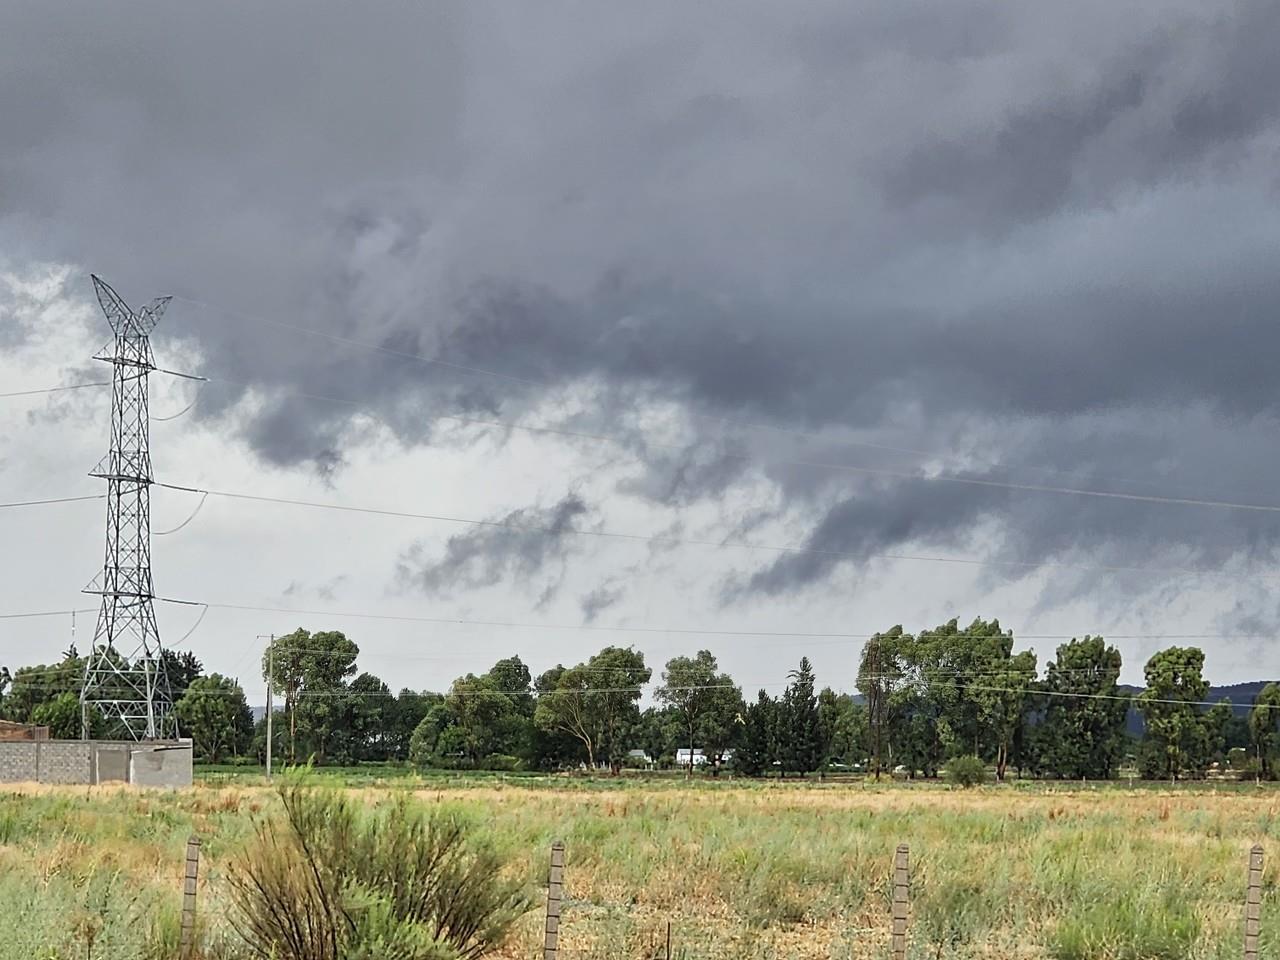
[739,869]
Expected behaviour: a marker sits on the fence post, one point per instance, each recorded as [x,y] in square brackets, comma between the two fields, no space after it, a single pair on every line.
[555,893]
[189,897]
[901,893]
[1253,904]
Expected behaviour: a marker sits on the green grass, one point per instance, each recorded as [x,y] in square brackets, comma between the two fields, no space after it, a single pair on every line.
[740,869]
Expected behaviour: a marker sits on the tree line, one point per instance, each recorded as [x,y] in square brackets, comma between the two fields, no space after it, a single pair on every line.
[922,699]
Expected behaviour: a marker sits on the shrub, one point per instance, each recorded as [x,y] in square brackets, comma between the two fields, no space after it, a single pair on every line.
[965,771]
[503,762]
[395,884]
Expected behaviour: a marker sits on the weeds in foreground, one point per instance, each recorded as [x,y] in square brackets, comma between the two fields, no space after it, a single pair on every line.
[328,881]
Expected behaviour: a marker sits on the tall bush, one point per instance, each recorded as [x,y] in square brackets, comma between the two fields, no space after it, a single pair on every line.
[329,882]
[965,771]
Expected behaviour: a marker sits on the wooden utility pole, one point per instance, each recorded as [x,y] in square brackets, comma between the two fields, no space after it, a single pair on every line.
[271,663]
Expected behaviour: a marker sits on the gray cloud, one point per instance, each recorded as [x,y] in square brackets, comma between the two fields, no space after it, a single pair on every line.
[600,599]
[530,540]
[1024,236]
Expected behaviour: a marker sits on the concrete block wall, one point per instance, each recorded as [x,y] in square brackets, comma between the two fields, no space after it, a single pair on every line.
[167,765]
[159,764]
[18,762]
[64,761]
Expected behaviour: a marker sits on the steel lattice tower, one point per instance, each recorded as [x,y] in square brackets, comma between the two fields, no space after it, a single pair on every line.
[125,679]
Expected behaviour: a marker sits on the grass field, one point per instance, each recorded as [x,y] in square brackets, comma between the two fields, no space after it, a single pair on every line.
[740,870]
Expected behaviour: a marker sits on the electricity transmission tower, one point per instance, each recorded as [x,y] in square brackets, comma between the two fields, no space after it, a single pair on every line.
[125,679]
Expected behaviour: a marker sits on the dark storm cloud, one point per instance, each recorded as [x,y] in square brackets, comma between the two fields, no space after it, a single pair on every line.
[529,540]
[1027,237]
[600,599]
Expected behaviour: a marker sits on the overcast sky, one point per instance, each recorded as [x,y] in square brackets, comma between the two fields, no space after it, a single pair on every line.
[726,253]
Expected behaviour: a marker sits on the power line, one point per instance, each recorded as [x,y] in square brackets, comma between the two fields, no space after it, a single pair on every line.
[377,348]
[70,386]
[720,544]
[46,613]
[174,416]
[792,462]
[605,438]
[1135,699]
[676,631]
[696,631]
[199,507]
[37,503]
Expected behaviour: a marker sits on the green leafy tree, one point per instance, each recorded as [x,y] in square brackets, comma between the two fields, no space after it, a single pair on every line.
[799,734]
[485,719]
[1264,721]
[844,728]
[213,712]
[705,702]
[551,747]
[425,744]
[880,675]
[512,678]
[61,715]
[757,746]
[946,664]
[315,667]
[657,733]
[370,721]
[279,739]
[516,732]
[409,709]
[180,669]
[1081,733]
[1216,722]
[596,703]
[1001,689]
[29,687]
[1169,705]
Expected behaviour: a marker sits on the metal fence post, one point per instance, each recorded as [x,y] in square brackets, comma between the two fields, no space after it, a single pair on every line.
[1253,904]
[189,897]
[901,893]
[555,893]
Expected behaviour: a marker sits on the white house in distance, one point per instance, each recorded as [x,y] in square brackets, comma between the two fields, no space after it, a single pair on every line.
[699,757]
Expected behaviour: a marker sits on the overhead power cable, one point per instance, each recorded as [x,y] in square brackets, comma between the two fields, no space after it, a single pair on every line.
[47,613]
[70,386]
[38,503]
[174,416]
[721,544]
[696,631]
[793,462]
[1135,698]
[199,507]
[582,435]
[728,421]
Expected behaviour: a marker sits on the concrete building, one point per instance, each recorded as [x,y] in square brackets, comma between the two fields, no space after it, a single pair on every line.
[154,763]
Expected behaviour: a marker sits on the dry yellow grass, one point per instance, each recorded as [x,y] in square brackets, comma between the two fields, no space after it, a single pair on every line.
[794,871]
